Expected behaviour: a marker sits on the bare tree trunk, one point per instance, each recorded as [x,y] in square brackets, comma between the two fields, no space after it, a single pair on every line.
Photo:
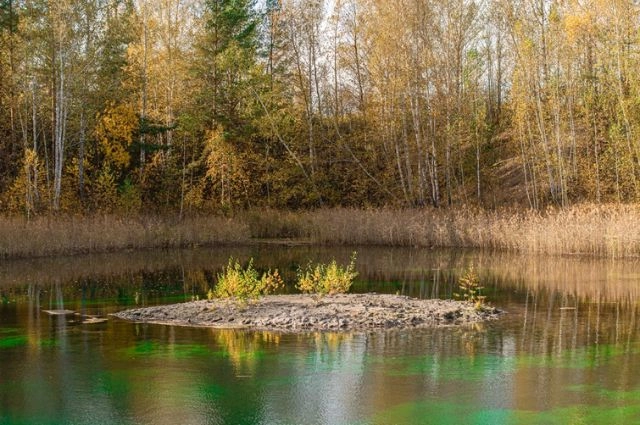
[12,69]
[184,176]
[143,111]
[358,72]
[407,157]
[34,135]
[596,157]
[478,197]
[28,193]
[82,140]
[435,185]
[311,144]
[401,172]
[59,131]
[418,133]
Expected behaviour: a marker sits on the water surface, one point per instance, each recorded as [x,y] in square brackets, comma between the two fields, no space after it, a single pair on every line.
[567,352]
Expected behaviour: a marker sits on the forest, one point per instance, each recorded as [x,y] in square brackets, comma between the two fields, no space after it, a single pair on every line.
[185,107]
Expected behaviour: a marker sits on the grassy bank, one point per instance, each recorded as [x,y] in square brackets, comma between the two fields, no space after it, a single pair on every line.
[602,231]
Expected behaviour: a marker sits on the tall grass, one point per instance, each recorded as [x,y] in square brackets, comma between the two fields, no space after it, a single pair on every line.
[603,231]
[72,235]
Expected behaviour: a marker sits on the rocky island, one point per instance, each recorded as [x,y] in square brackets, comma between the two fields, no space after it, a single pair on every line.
[299,313]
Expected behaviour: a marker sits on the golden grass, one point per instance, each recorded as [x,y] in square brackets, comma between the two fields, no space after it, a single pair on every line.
[71,235]
[276,224]
[603,231]
[611,231]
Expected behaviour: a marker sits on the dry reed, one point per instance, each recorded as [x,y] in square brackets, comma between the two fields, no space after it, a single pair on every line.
[71,235]
[600,231]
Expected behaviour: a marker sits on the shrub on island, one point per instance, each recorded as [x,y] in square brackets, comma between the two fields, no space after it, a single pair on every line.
[323,279]
[245,283]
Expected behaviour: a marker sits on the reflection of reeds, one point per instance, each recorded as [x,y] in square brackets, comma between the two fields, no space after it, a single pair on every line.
[423,273]
[49,236]
[591,280]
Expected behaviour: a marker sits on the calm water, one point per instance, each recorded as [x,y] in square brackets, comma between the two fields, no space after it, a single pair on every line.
[568,352]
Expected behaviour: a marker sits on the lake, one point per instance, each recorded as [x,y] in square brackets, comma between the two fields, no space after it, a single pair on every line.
[566,352]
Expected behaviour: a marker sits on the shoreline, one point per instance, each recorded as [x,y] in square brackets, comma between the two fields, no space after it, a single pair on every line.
[307,313]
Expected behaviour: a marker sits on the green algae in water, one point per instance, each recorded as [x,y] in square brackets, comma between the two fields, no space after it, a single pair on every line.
[144,348]
[178,351]
[445,413]
[181,351]
[20,340]
[38,420]
[49,342]
[581,414]
[464,368]
[12,341]
[619,396]
[580,358]
[116,384]
[212,391]
[441,413]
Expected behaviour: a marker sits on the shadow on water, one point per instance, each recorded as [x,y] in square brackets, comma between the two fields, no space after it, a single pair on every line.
[566,352]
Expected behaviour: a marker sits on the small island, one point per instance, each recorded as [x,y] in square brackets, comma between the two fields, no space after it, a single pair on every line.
[301,312]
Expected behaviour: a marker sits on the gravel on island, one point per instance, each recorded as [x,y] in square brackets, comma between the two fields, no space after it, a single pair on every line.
[299,313]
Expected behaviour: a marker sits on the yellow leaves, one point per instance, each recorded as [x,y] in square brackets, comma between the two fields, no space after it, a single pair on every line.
[105,190]
[223,164]
[114,132]
[194,196]
[220,156]
[27,193]
[578,25]
[222,160]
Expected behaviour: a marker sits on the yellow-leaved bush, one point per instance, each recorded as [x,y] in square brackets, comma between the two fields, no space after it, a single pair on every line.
[327,279]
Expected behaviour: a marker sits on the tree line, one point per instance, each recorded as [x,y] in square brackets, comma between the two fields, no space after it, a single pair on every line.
[188,106]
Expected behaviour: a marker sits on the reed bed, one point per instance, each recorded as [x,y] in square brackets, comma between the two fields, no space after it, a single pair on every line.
[611,231]
[72,235]
[601,231]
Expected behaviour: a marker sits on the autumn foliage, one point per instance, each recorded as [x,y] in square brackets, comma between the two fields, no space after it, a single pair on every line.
[199,106]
